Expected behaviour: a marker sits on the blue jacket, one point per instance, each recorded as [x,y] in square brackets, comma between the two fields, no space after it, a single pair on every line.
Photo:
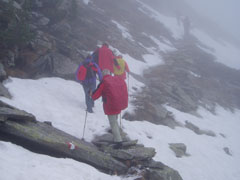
[95,68]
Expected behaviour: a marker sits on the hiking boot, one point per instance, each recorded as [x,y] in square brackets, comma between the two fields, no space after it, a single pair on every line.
[90,110]
[117,145]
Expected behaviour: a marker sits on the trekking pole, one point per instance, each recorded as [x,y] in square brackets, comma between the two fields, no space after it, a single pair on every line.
[84,125]
[128,82]
[121,120]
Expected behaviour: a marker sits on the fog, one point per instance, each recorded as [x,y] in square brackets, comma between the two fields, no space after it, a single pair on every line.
[224,12]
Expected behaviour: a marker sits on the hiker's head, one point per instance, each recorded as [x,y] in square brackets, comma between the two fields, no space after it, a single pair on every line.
[106,72]
[105,44]
[88,59]
[119,56]
[114,52]
[88,56]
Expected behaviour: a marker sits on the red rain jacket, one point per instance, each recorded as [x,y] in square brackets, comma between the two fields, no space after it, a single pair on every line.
[114,93]
[105,58]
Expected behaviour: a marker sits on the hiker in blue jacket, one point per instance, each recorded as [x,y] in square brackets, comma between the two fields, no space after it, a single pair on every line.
[86,75]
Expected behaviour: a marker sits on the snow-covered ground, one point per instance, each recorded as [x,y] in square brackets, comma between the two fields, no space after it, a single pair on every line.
[224,52]
[62,102]
[17,163]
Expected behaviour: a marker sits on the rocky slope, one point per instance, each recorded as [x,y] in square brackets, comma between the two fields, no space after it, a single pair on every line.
[189,79]
[60,33]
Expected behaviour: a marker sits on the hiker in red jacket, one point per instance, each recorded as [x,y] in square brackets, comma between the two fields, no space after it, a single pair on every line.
[105,58]
[114,93]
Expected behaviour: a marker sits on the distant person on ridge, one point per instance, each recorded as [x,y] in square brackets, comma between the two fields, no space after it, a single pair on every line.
[114,94]
[186,26]
[105,58]
[86,75]
[121,68]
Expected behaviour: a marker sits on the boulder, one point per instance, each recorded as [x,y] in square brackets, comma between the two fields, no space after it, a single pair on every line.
[153,164]
[37,3]
[42,138]
[41,44]
[179,149]
[54,64]
[62,29]
[9,59]
[43,21]
[8,112]
[23,129]
[136,153]
[65,5]
[3,74]
[16,5]
[4,91]
[197,130]
[161,111]
[227,151]
[162,174]
[108,138]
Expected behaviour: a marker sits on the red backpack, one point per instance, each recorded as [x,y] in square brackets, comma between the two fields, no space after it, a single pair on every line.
[81,73]
[86,71]
[116,93]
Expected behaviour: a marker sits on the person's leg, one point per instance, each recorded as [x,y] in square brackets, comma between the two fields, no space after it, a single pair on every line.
[93,88]
[88,99]
[115,128]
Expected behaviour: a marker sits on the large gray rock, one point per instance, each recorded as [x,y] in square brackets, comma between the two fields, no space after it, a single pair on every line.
[38,3]
[43,21]
[108,138]
[3,74]
[65,5]
[63,65]
[4,91]
[62,29]
[179,149]
[137,153]
[227,151]
[9,59]
[41,44]
[49,140]
[153,164]
[162,174]
[8,112]
[54,64]
[197,130]
[22,128]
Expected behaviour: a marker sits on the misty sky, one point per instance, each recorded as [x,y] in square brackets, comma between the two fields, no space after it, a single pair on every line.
[225,12]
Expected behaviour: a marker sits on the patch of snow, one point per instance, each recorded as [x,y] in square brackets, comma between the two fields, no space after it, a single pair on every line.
[86,1]
[19,163]
[169,22]
[163,46]
[194,74]
[224,52]
[124,31]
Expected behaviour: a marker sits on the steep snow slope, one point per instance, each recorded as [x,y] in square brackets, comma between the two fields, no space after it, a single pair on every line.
[62,103]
